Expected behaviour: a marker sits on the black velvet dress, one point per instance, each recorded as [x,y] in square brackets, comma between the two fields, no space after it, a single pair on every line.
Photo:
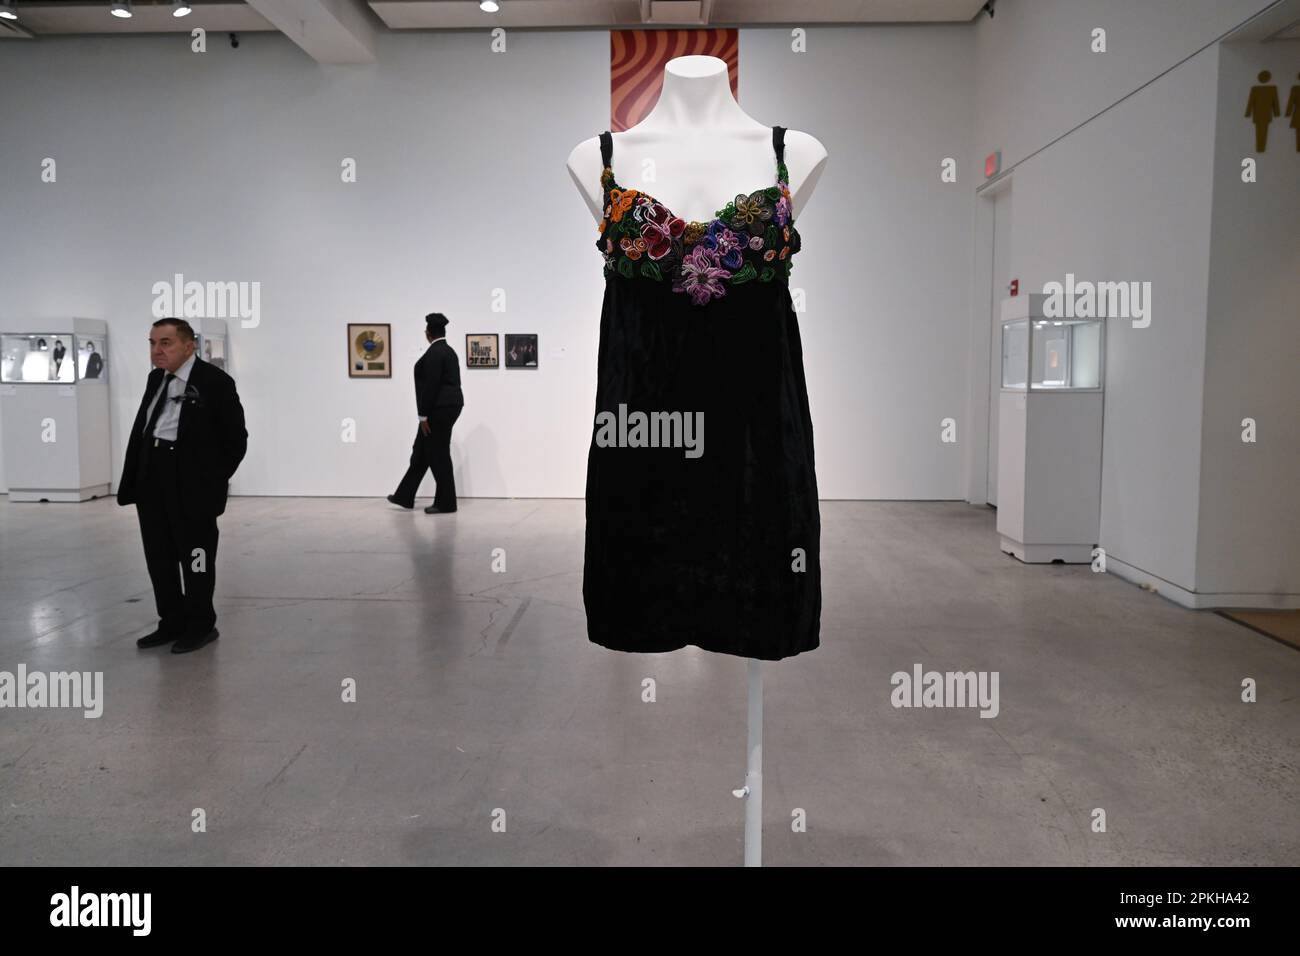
[706,535]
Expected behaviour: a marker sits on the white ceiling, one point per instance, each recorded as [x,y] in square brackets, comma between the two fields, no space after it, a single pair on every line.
[78,16]
[49,17]
[606,14]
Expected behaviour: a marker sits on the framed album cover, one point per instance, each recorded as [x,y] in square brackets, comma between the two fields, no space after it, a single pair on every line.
[481,350]
[521,350]
[370,350]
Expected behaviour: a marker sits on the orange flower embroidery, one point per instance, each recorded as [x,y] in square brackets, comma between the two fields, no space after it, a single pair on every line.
[620,201]
[633,248]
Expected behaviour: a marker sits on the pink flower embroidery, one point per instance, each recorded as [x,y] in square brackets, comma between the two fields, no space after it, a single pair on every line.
[701,275]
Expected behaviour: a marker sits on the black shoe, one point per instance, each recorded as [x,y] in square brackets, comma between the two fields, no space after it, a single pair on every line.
[192,642]
[435,510]
[392,499]
[157,639]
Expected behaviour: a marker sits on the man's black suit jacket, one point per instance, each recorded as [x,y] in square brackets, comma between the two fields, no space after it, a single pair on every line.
[210,440]
[437,379]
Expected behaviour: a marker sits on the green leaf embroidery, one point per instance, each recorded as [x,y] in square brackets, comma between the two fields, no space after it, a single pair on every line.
[767,274]
[744,275]
[651,271]
[625,267]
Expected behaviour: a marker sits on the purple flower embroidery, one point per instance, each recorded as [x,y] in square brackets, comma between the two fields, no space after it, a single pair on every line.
[727,244]
[701,275]
[783,209]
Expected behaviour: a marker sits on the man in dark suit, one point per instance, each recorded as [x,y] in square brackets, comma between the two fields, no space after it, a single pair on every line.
[438,401]
[187,440]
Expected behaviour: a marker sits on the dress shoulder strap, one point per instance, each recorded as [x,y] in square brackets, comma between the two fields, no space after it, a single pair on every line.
[606,147]
[778,142]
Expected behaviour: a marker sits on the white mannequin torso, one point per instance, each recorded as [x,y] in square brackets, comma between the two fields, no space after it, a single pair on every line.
[697,149]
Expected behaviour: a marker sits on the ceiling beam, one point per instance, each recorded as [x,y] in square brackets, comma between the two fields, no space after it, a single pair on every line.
[329,31]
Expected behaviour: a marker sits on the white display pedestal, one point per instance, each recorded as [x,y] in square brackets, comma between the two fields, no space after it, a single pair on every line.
[57,444]
[1049,435]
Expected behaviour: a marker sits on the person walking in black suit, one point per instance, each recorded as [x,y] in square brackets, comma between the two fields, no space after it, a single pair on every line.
[438,401]
[187,440]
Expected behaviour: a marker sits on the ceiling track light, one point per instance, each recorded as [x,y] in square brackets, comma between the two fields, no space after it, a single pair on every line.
[7,11]
[489,6]
[121,8]
[181,9]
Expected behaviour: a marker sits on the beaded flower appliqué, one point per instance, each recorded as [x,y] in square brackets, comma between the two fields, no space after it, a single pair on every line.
[752,238]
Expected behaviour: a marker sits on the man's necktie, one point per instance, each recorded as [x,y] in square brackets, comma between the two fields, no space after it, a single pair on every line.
[158,406]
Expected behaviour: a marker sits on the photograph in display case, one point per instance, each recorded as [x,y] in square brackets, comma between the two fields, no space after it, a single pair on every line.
[213,350]
[481,350]
[521,351]
[369,350]
[37,357]
[90,358]
[1066,354]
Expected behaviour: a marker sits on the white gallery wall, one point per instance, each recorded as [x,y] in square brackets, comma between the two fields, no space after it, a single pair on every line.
[1115,178]
[226,167]
[1038,77]
[1248,539]
[1124,166]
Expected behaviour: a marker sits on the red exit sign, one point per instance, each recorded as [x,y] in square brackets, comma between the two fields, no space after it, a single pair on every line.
[992,164]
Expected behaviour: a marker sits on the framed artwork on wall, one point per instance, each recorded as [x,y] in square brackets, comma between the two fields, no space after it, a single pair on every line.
[370,351]
[481,350]
[521,350]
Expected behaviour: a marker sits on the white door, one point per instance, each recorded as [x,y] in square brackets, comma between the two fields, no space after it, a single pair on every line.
[1001,289]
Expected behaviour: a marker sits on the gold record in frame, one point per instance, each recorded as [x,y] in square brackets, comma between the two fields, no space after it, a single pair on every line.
[370,350]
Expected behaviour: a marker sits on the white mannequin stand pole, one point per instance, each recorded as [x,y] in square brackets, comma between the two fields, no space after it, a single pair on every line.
[753,790]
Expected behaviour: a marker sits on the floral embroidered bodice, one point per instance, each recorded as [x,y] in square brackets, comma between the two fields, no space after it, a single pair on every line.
[752,238]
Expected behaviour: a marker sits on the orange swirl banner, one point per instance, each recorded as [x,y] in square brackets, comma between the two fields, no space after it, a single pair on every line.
[636,66]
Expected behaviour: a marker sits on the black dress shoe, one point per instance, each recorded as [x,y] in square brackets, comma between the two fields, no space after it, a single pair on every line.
[157,639]
[392,499]
[435,510]
[192,642]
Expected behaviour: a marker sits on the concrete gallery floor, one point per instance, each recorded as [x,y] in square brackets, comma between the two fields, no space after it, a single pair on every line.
[480,699]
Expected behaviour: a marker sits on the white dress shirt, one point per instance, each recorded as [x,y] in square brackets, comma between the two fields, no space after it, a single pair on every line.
[169,419]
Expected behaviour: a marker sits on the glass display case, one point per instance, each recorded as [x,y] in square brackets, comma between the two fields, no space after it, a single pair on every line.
[55,441]
[1051,354]
[213,350]
[211,345]
[37,357]
[51,357]
[1049,424]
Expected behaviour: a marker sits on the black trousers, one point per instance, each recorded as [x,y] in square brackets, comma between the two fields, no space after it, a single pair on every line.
[434,453]
[180,546]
